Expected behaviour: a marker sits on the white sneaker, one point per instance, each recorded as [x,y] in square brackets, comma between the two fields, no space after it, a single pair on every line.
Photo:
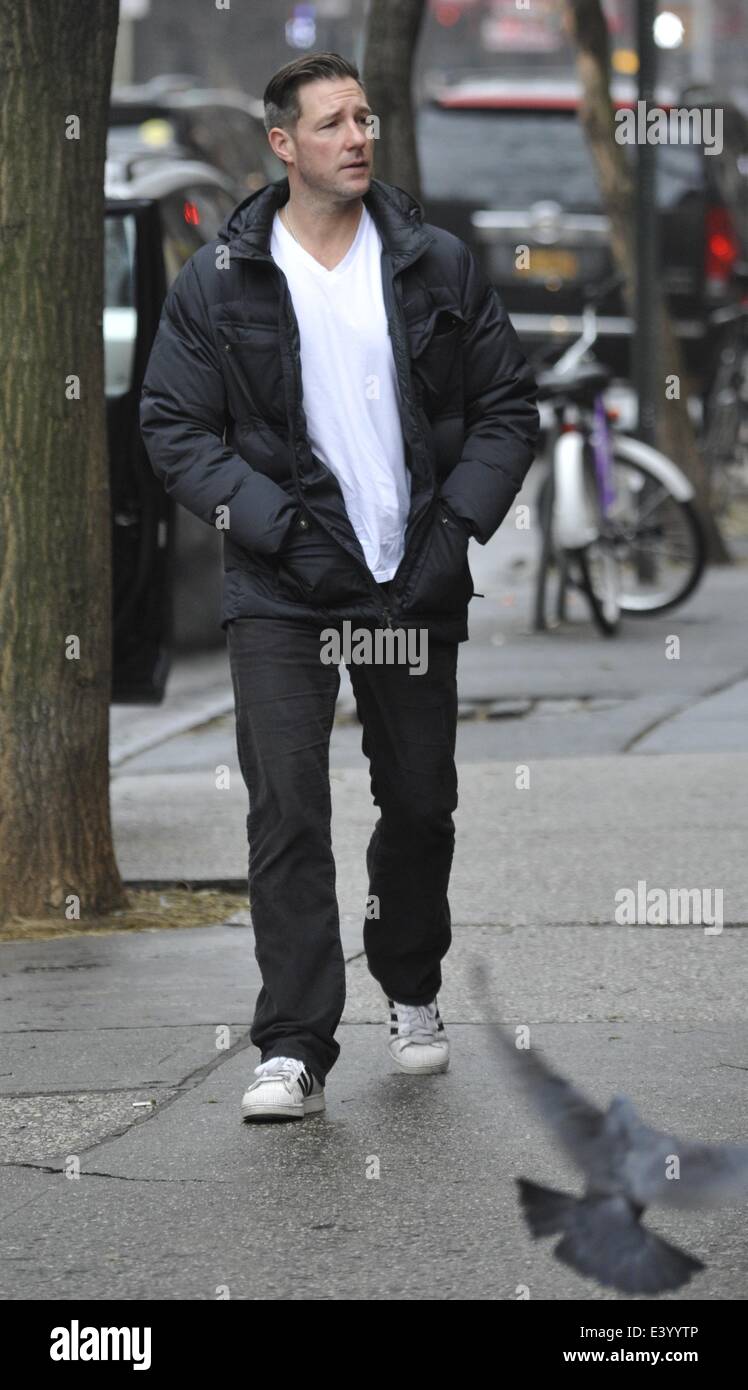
[285,1090]
[417,1041]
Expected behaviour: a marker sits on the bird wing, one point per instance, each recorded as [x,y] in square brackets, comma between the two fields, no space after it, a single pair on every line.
[705,1175]
[578,1123]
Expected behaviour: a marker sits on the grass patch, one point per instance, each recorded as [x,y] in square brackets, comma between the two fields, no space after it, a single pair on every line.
[150,910]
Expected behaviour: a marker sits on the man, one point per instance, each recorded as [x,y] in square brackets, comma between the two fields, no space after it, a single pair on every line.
[336,385]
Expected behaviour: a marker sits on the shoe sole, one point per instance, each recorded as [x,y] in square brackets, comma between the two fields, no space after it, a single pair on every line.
[312,1105]
[430,1070]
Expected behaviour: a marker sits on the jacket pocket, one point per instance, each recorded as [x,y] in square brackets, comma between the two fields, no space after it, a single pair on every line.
[443,582]
[312,566]
[253,366]
[436,355]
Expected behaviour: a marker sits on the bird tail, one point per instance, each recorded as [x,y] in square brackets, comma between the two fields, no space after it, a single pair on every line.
[546,1210]
[643,1264]
[603,1239]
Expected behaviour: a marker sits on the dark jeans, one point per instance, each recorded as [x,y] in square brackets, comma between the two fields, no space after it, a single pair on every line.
[285,704]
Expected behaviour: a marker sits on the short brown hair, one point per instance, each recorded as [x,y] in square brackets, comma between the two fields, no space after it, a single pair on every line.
[281,96]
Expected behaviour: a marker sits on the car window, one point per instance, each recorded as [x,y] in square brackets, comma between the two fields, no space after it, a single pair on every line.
[182,236]
[512,159]
[189,218]
[209,205]
[120,312]
[155,133]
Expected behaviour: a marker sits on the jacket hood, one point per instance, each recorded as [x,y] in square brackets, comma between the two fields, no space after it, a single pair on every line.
[398,215]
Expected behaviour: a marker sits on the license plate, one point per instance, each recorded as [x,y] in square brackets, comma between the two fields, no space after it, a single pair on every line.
[548,263]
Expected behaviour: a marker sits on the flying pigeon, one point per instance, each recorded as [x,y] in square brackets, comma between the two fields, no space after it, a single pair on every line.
[625,1163]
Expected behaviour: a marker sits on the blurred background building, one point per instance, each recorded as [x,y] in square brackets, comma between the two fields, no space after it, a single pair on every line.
[698,40]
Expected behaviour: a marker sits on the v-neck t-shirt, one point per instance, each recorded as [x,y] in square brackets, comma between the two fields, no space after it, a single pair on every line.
[350,389]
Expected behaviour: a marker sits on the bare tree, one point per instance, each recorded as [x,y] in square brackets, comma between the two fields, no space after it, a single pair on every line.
[55,587]
[391,37]
[587,25]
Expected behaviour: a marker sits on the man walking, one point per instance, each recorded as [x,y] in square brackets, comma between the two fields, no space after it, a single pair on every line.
[336,385]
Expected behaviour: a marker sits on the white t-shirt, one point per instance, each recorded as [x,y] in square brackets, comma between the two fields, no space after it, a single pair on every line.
[350,391]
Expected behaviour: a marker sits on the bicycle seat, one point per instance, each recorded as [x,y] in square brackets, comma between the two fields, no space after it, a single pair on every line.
[581,385]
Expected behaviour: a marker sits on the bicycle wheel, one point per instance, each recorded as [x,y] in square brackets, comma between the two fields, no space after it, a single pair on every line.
[601,584]
[546,557]
[561,566]
[658,541]
[598,562]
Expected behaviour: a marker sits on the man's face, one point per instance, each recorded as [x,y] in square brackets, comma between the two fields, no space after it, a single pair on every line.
[330,150]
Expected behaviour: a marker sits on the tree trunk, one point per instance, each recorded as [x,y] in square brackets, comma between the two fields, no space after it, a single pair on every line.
[675,434]
[391,38]
[55,549]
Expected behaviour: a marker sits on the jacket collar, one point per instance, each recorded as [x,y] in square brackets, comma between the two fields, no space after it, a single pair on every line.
[398,216]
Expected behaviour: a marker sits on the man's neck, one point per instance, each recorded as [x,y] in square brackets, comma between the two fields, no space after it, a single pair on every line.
[326,233]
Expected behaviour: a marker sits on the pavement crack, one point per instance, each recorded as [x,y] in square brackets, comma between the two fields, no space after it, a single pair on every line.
[178,1089]
[123,1028]
[89,1091]
[689,704]
[99,1173]
[657,723]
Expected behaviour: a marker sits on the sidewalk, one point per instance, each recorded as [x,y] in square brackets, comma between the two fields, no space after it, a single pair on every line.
[638,771]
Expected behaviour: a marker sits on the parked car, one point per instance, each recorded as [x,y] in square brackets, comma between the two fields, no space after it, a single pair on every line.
[506,164]
[166,564]
[221,128]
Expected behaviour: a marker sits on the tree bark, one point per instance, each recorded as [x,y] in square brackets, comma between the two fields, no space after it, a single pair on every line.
[55,529]
[391,38]
[675,434]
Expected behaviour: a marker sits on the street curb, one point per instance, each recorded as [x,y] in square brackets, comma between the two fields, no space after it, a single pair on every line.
[174,725]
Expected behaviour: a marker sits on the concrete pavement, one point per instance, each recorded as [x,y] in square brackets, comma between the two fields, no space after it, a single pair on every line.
[125,1055]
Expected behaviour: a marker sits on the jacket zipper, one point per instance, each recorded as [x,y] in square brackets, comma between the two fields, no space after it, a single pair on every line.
[287,309]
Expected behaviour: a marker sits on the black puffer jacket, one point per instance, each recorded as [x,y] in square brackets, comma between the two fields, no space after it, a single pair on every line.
[223,422]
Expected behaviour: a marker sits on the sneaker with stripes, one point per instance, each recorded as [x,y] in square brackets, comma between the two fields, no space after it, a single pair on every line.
[285,1090]
[417,1042]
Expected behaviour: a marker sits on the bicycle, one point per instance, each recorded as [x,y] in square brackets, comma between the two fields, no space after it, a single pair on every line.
[618,518]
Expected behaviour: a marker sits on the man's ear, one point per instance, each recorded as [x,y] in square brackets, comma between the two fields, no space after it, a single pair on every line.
[280,142]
